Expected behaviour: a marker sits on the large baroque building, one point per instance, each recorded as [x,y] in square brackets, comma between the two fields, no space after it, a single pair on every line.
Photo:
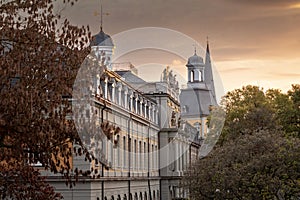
[159,130]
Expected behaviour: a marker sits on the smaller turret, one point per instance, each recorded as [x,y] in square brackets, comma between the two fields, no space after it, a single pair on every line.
[102,43]
[195,67]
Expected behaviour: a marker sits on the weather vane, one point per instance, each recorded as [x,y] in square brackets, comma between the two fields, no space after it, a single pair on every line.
[96,13]
[194,45]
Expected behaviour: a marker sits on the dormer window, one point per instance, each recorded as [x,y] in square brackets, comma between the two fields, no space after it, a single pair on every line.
[185,109]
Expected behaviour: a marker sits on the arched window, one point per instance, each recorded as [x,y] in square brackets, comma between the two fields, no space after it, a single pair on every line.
[138,109]
[110,91]
[134,105]
[141,196]
[136,196]
[201,76]
[192,76]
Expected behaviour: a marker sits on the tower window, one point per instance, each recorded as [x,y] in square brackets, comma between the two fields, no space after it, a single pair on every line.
[192,76]
[185,109]
[201,76]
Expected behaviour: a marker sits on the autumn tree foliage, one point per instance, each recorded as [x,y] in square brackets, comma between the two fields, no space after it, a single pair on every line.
[39,58]
[257,156]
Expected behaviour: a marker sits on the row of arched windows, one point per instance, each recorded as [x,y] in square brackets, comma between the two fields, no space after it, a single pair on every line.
[195,75]
[136,196]
[128,99]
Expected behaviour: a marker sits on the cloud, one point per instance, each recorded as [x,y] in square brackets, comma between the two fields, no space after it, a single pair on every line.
[286,75]
[176,62]
[239,31]
[294,5]
[274,3]
[235,70]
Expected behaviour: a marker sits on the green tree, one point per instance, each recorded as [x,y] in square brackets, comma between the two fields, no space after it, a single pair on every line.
[286,108]
[294,122]
[261,165]
[257,157]
[247,110]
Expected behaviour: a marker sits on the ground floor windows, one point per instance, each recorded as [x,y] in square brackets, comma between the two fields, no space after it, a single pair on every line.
[135,196]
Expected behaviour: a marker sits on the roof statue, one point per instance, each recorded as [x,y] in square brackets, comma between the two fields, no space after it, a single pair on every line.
[170,78]
[165,75]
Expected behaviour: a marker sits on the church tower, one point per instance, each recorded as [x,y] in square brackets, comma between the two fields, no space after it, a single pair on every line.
[199,95]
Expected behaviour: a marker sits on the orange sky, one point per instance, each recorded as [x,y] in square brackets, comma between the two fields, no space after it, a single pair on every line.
[252,42]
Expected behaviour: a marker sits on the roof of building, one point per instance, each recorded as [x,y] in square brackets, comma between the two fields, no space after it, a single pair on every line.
[208,72]
[197,102]
[124,66]
[129,76]
[195,60]
[102,39]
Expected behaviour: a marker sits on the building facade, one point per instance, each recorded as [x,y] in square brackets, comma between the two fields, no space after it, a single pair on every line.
[150,139]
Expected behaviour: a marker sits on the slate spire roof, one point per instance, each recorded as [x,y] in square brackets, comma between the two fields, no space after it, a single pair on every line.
[208,74]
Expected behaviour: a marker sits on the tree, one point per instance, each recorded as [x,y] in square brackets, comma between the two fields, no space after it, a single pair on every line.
[16,179]
[247,110]
[257,166]
[257,157]
[293,125]
[287,108]
[38,63]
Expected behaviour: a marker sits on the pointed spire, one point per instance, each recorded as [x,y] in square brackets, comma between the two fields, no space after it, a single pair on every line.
[101,22]
[208,72]
[207,46]
[207,56]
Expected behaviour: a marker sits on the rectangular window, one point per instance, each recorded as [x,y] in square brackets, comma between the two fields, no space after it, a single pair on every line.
[124,151]
[140,152]
[135,155]
[145,154]
[156,158]
[152,156]
[118,156]
[111,153]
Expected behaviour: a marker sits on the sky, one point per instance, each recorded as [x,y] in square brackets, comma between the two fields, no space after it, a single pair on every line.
[251,42]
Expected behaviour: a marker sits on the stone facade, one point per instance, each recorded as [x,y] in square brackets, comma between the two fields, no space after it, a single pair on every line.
[158,136]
